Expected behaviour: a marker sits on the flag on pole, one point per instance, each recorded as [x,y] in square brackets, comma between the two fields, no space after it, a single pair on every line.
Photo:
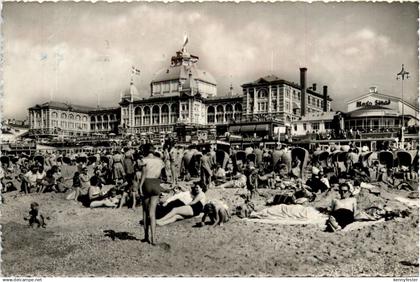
[135,70]
[185,40]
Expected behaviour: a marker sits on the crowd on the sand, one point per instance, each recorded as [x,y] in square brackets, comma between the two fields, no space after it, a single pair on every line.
[171,183]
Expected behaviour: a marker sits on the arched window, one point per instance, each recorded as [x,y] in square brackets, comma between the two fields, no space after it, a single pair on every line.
[229,112]
[137,116]
[93,119]
[155,114]
[54,115]
[84,119]
[174,113]
[146,116]
[219,114]
[210,114]
[238,112]
[71,116]
[63,116]
[165,114]
[77,117]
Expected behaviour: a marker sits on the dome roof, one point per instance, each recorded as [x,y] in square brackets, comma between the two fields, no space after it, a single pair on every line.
[130,91]
[181,72]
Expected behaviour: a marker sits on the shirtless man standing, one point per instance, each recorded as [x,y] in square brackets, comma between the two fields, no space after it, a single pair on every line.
[150,189]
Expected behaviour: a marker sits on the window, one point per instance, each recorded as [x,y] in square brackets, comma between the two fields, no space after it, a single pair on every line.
[304,126]
[166,87]
[298,95]
[309,100]
[295,127]
[317,103]
[315,126]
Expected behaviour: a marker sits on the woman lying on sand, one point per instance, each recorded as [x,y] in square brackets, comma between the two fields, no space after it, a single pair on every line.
[194,208]
[343,210]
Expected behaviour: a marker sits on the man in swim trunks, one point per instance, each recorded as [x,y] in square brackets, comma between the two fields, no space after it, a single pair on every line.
[342,210]
[150,189]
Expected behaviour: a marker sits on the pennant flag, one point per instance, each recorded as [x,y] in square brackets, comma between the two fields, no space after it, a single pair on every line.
[185,40]
[135,71]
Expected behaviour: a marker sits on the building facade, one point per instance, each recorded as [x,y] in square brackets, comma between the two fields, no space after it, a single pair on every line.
[181,95]
[375,111]
[62,119]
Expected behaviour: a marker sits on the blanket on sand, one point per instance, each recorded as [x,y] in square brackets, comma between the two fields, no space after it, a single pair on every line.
[289,214]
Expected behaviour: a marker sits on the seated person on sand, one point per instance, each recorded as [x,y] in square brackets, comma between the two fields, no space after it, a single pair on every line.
[99,198]
[343,210]
[49,183]
[218,213]
[219,174]
[317,182]
[238,181]
[181,198]
[194,208]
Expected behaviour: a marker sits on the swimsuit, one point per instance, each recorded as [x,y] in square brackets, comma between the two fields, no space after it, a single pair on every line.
[151,187]
[343,217]
[197,208]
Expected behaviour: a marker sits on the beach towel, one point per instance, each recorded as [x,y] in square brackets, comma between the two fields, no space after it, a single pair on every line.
[289,214]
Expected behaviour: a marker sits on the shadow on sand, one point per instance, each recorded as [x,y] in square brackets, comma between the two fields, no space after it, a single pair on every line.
[119,235]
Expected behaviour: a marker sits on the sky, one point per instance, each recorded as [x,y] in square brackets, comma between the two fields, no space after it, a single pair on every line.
[82,53]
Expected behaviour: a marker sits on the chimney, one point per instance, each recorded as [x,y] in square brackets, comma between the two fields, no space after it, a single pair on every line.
[303,91]
[325,97]
[314,87]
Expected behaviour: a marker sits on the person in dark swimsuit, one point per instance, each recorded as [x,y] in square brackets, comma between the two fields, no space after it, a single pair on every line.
[194,208]
[150,190]
[343,210]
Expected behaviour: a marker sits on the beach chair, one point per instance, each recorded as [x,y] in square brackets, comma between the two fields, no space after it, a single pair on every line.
[39,159]
[386,158]
[221,158]
[252,158]
[92,159]
[240,157]
[5,161]
[323,159]
[404,159]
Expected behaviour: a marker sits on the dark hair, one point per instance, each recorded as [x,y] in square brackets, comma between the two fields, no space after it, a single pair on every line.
[94,180]
[345,184]
[148,148]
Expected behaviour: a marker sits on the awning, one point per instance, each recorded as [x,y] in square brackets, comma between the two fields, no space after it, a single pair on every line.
[235,128]
[248,128]
[262,127]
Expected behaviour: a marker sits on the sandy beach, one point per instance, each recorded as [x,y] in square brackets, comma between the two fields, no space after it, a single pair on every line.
[79,241]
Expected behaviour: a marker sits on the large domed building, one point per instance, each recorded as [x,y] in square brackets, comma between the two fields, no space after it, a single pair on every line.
[182,98]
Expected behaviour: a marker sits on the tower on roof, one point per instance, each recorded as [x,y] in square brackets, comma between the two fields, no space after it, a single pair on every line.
[183,76]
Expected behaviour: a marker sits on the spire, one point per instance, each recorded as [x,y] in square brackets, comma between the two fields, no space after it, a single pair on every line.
[231,89]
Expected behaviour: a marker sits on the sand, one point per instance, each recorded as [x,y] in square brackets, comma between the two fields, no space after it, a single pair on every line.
[79,241]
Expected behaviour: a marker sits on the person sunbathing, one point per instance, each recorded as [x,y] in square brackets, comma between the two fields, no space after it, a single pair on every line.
[238,181]
[343,210]
[194,208]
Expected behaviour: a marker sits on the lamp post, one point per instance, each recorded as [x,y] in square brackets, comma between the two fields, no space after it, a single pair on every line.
[403,74]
